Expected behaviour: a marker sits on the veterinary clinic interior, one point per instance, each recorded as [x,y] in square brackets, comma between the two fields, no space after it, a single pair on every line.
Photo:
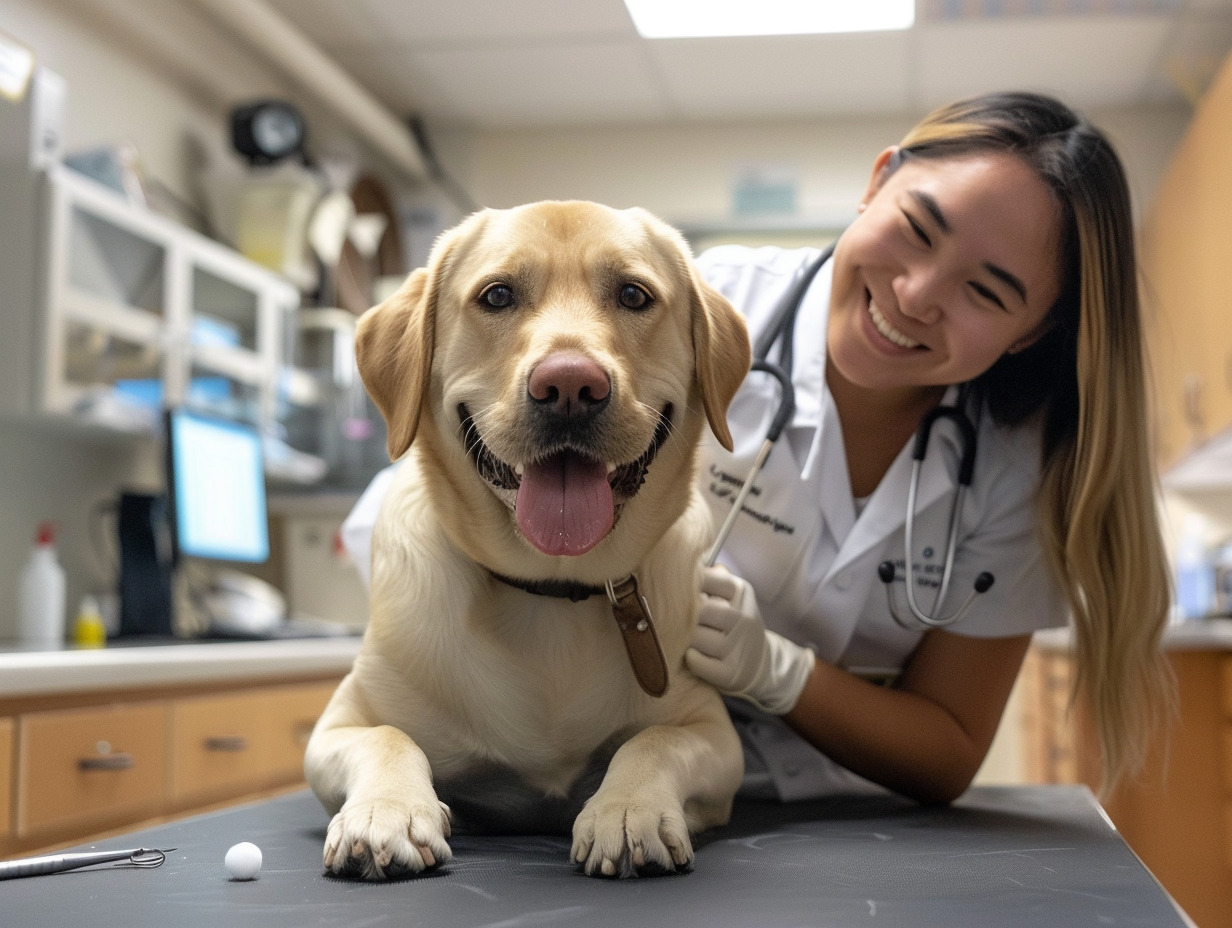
[200,198]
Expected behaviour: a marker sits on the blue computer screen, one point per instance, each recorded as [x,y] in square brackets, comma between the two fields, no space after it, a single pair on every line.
[217,487]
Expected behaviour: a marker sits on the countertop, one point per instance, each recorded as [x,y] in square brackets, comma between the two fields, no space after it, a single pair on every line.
[1214,634]
[1041,856]
[133,664]
[126,665]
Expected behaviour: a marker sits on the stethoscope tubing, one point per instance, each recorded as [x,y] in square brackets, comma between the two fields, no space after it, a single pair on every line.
[787,407]
[781,329]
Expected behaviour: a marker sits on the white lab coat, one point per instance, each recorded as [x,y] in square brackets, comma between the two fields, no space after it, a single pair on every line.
[812,558]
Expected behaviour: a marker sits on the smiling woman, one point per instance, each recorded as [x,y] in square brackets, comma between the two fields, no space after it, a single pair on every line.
[991,268]
[932,280]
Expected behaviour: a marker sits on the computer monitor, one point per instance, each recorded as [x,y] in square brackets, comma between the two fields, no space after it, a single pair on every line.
[216,488]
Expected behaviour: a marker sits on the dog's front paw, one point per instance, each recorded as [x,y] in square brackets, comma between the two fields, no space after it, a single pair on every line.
[382,839]
[621,837]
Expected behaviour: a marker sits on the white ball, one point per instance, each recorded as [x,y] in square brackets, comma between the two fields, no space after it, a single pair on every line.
[243,861]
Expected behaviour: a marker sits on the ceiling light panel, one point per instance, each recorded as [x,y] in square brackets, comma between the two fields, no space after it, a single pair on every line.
[678,19]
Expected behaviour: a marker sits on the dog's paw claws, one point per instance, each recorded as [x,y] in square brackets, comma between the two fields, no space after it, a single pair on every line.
[386,840]
[619,841]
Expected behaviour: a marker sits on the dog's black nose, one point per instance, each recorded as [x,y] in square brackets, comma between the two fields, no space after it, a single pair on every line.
[569,384]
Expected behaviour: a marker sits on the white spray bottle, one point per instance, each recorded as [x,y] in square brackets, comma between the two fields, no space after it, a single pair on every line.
[42,614]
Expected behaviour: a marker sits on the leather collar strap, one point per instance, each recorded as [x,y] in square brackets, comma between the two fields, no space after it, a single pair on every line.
[632,614]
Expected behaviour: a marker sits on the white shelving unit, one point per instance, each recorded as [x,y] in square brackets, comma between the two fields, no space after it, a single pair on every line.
[133,312]
[141,311]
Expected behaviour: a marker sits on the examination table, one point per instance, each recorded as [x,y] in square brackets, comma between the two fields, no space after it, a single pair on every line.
[1040,856]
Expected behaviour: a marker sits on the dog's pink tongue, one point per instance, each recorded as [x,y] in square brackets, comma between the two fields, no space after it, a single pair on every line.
[564,504]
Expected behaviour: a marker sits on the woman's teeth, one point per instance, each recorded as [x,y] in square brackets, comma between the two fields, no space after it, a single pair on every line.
[883,326]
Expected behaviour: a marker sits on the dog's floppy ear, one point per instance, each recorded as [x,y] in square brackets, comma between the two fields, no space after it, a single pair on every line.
[721,351]
[393,350]
[394,341]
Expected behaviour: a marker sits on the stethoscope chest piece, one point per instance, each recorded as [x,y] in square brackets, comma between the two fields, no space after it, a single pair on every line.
[887,571]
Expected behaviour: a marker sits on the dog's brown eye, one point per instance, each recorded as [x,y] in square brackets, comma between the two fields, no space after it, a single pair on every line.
[634,297]
[497,296]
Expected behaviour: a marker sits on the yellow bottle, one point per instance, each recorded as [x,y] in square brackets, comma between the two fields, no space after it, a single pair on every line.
[88,628]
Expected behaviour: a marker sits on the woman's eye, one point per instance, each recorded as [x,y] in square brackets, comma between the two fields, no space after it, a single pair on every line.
[497,296]
[987,295]
[634,297]
[918,229]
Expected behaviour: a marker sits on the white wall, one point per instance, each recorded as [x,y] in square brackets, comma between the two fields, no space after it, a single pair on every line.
[685,172]
[111,97]
[70,479]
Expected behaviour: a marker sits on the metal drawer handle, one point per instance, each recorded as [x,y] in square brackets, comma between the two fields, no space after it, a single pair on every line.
[121,760]
[228,743]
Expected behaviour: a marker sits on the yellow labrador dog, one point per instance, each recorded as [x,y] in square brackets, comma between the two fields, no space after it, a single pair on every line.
[535,562]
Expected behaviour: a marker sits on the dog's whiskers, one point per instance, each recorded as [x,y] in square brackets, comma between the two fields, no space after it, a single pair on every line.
[490,467]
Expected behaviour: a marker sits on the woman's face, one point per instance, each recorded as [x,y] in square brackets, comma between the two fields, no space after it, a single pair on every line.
[951,264]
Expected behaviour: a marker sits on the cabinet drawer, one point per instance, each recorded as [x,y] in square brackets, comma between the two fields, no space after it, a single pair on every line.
[1227,762]
[6,777]
[222,744]
[218,745]
[1226,674]
[294,711]
[81,764]
[1227,834]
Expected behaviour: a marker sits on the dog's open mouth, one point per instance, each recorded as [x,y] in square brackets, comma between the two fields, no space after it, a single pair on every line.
[566,502]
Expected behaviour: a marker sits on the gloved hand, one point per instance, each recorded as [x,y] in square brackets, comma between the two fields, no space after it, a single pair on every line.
[734,651]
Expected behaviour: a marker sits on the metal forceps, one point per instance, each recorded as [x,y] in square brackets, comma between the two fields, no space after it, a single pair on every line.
[145,858]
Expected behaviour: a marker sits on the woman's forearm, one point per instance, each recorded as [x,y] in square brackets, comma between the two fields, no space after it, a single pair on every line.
[925,737]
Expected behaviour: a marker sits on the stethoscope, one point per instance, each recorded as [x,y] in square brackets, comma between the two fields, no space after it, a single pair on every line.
[781,330]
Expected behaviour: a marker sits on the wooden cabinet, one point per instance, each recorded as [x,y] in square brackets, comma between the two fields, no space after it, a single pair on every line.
[241,741]
[6,778]
[297,710]
[1050,752]
[1185,243]
[1226,685]
[1177,813]
[90,767]
[70,772]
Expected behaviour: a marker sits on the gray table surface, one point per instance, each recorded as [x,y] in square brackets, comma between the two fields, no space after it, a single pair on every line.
[1015,856]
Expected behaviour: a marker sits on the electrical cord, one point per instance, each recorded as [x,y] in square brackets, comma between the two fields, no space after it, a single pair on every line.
[436,171]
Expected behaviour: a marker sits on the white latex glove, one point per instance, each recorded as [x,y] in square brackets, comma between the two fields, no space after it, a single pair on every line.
[734,651]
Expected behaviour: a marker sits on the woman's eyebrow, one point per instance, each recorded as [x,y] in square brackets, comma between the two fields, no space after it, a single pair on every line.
[930,205]
[1013,282]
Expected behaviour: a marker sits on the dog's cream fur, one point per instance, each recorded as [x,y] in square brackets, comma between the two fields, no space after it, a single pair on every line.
[513,705]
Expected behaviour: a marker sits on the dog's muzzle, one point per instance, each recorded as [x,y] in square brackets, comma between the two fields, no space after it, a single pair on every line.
[565,502]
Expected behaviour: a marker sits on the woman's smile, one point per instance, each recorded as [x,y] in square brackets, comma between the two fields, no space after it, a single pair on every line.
[882,325]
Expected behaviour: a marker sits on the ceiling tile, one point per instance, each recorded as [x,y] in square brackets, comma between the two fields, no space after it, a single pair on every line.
[543,86]
[547,62]
[1095,61]
[422,24]
[785,75]
[327,23]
